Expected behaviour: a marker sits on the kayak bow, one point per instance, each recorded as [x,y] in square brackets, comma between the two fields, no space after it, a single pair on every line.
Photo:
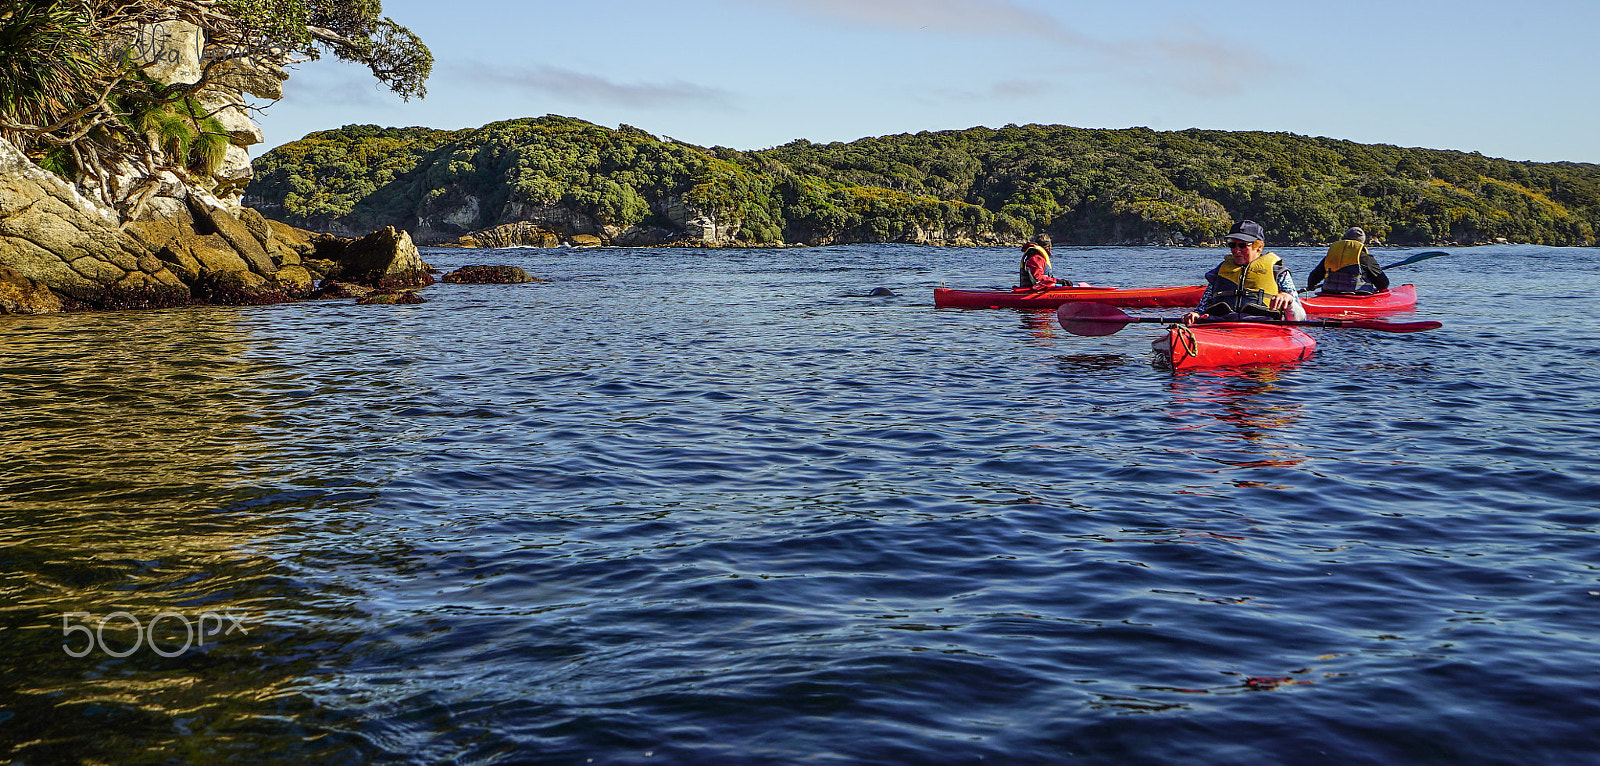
[1232,344]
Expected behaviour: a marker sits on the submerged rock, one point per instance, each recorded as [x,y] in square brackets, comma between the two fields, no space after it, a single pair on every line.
[486,275]
[390,297]
[335,289]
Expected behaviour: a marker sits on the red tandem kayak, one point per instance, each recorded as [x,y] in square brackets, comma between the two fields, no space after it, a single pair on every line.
[1229,344]
[1132,297]
[1392,301]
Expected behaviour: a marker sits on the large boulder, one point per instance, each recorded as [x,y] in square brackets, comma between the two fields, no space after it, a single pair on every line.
[385,259]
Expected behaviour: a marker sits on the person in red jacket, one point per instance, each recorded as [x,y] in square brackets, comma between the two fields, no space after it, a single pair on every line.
[1034,273]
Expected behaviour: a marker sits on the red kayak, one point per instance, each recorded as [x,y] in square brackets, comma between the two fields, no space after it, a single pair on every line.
[1392,301]
[1230,344]
[1133,297]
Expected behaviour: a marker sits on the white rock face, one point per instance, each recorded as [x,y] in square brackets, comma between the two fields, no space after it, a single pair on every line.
[176,52]
[466,215]
[169,50]
[228,106]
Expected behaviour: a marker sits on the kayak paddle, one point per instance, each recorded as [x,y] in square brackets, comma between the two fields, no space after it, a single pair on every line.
[1083,318]
[1415,258]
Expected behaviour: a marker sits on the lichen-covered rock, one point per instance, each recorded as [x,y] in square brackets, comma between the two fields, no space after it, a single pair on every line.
[489,275]
[385,259]
[71,244]
[335,289]
[390,297]
[21,295]
[518,234]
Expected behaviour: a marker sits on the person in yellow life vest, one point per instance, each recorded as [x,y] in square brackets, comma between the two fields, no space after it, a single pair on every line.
[1348,269]
[1034,273]
[1249,282]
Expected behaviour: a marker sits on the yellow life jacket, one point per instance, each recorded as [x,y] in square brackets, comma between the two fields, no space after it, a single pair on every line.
[1341,268]
[1246,289]
[1025,277]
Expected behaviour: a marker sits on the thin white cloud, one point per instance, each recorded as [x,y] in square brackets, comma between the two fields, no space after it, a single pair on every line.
[321,84]
[1004,90]
[970,17]
[1182,59]
[556,82]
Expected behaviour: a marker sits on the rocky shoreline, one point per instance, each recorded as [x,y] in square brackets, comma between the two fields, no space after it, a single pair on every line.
[61,250]
[147,237]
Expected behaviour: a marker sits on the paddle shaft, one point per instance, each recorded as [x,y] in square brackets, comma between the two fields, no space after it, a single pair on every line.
[1360,324]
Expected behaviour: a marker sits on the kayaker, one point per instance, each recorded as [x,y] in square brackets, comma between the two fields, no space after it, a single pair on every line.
[1249,282]
[1348,269]
[1035,271]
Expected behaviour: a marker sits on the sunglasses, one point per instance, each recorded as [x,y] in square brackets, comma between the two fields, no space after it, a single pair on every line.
[1237,245]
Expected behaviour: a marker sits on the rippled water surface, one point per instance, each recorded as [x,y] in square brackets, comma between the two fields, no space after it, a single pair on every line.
[722,507]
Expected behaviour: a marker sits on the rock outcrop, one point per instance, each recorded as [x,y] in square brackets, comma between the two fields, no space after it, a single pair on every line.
[181,240]
[487,275]
[53,235]
[385,259]
[519,234]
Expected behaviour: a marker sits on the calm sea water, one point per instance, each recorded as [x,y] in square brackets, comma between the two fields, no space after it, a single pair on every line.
[721,507]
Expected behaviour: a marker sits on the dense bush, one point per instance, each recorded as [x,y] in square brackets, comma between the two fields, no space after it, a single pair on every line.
[1082,186]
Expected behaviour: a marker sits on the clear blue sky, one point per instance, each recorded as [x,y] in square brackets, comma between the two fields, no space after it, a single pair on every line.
[1512,80]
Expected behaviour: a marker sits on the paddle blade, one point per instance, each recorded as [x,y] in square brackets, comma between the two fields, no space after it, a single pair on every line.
[1381,325]
[1415,258]
[1092,319]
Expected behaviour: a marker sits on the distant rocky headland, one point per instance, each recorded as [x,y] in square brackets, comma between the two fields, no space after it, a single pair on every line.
[562,181]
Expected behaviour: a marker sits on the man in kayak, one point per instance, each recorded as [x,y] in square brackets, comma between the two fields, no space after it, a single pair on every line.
[1035,271]
[1248,283]
[1348,269]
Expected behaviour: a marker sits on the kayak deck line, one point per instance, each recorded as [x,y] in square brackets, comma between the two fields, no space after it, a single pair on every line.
[1052,298]
[1392,301]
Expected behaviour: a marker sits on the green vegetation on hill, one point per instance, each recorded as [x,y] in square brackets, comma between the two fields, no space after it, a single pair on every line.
[1082,186]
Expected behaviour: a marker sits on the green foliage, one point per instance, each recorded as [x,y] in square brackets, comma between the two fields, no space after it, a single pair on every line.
[62,84]
[1082,186]
[210,146]
[394,55]
[49,61]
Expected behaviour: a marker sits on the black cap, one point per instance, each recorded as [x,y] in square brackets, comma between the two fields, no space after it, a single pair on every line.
[1355,233]
[1247,231]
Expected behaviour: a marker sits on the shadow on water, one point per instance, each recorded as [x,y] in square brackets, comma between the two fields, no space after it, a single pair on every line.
[127,498]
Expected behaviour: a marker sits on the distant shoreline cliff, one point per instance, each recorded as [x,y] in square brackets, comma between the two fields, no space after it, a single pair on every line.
[558,180]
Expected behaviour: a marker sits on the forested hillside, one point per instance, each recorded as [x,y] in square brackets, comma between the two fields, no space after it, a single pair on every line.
[985,185]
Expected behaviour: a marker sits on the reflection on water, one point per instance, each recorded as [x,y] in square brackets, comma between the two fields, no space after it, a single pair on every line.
[1262,422]
[126,489]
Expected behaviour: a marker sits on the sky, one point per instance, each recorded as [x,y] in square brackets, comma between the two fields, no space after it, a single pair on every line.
[1512,80]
